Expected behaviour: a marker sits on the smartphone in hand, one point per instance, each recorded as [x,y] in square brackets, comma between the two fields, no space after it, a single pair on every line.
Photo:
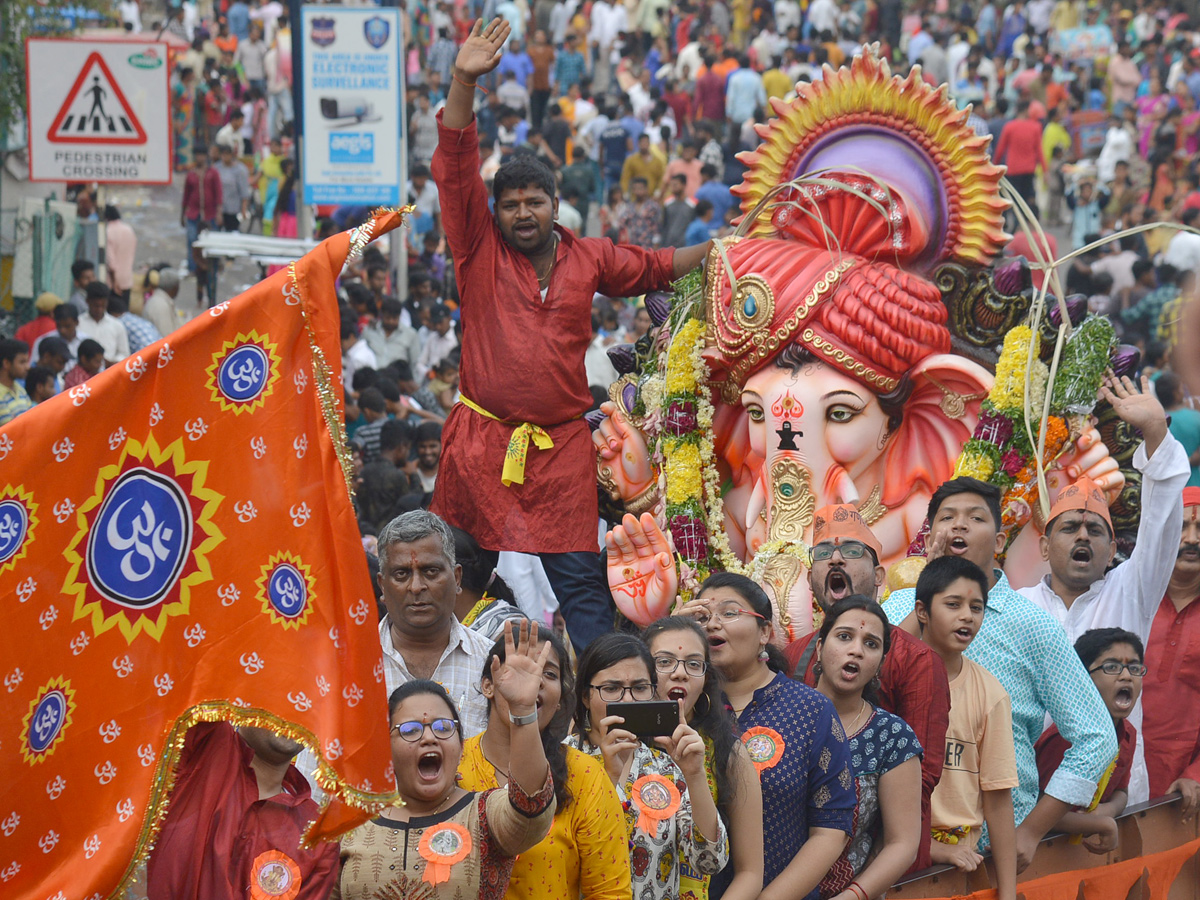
[647,718]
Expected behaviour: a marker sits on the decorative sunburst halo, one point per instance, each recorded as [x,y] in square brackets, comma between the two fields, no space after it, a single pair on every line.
[243,373]
[286,589]
[866,95]
[18,523]
[143,539]
[48,718]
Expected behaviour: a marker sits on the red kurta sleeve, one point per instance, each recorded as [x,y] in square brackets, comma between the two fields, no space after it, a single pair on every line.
[463,198]
[627,271]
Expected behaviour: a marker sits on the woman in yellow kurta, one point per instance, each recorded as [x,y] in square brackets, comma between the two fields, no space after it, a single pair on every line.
[586,854]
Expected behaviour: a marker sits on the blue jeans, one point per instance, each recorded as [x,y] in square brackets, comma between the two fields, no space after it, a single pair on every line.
[581,586]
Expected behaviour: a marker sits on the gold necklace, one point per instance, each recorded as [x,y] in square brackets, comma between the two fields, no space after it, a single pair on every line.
[445,800]
[852,730]
[553,260]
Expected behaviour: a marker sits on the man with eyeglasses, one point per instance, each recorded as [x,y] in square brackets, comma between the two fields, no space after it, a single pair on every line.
[1171,727]
[912,681]
[1079,544]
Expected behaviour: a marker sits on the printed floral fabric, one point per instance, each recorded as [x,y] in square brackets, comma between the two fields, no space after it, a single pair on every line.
[656,856]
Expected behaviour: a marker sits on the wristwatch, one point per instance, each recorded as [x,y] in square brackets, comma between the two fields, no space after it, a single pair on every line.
[527,719]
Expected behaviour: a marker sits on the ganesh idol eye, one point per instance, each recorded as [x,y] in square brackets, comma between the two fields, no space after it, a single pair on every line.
[841,413]
[756,413]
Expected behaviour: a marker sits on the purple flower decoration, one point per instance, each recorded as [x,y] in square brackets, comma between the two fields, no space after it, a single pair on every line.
[1012,462]
[593,419]
[690,536]
[1076,309]
[658,305]
[1012,276]
[1125,360]
[623,358]
[680,418]
[994,428]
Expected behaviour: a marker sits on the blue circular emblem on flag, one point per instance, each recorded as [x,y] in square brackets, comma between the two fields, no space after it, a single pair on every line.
[14,524]
[243,374]
[47,721]
[139,539]
[287,590]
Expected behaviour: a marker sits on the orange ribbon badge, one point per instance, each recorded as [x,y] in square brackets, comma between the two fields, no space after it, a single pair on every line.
[274,876]
[765,747]
[441,847]
[657,799]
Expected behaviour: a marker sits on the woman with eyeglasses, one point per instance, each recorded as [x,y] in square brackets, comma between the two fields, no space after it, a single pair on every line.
[686,675]
[442,841]
[668,825]
[791,734]
[885,755]
[586,853]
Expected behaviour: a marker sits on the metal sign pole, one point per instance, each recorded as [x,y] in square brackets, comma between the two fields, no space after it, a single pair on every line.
[304,224]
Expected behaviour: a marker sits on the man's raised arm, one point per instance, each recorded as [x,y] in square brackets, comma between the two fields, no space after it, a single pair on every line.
[479,54]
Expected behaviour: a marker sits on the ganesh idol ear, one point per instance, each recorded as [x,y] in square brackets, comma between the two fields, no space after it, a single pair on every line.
[939,419]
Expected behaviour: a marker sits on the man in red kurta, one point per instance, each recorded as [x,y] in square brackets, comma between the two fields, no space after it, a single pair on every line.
[518,469]
[1171,688]
[912,680]
[234,823]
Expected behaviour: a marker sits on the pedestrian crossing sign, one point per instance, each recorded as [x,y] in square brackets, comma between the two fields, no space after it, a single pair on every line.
[100,110]
[95,111]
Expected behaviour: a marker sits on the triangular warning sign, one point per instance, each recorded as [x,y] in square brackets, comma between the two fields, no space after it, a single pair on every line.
[95,111]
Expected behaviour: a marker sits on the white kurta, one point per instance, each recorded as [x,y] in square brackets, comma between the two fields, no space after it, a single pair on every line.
[1129,595]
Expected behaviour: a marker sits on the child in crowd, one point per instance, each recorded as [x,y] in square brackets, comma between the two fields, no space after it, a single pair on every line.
[981,767]
[1114,659]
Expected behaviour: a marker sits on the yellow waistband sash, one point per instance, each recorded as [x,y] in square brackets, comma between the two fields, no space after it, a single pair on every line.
[518,444]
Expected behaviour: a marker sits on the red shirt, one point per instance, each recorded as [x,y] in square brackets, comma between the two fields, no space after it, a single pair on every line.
[522,361]
[1051,747]
[710,96]
[216,827]
[1020,147]
[204,205]
[912,685]
[1171,696]
[681,106]
[31,331]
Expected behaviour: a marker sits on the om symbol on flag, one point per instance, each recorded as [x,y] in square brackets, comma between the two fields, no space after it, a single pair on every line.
[140,539]
[49,715]
[285,589]
[243,373]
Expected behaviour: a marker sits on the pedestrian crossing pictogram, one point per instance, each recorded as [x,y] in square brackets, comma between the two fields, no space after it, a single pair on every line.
[96,111]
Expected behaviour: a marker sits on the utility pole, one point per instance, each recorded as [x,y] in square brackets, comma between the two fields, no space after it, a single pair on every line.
[304,224]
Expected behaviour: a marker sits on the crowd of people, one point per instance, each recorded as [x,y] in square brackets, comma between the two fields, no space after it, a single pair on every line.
[929,725]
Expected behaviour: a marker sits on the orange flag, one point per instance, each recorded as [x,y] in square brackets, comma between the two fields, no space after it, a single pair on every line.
[177,545]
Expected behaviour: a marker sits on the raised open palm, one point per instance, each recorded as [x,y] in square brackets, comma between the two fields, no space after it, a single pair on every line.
[481,52]
[641,570]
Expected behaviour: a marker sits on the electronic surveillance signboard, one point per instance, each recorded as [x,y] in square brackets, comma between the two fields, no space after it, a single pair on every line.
[352,105]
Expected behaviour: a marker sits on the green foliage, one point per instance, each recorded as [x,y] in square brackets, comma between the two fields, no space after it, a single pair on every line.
[20,19]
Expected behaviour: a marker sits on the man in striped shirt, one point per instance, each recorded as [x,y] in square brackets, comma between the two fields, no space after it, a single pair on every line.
[14,364]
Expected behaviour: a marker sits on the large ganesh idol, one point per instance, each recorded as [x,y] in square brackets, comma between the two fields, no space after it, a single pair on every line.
[811,363]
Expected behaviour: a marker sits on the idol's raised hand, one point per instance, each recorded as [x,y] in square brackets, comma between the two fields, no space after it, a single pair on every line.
[481,52]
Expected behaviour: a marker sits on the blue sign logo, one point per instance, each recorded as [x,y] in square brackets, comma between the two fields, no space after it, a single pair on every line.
[352,147]
[376,31]
[243,373]
[323,33]
[14,524]
[140,539]
[287,590]
[47,721]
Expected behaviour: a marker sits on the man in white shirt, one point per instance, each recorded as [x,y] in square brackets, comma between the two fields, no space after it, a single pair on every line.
[1079,543]
[355,353]
[420,636]
[1183,252]
[568,216]
[104,329]
[440,340]
[787,15]
[823,16]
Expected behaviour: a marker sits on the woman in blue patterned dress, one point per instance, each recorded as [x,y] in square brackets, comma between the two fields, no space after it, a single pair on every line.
[885,756]
[791,733]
